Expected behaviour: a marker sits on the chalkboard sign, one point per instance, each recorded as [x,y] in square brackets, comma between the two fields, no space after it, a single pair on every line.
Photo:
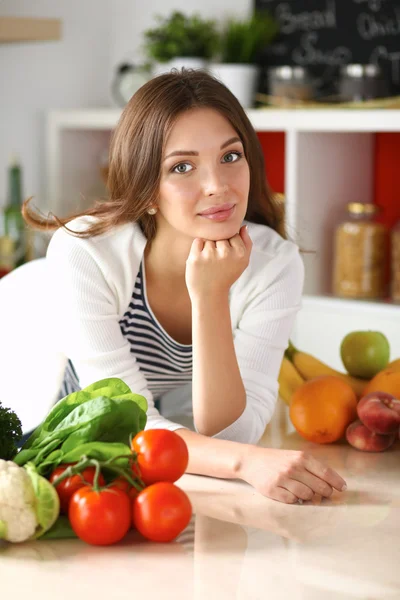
[322,35]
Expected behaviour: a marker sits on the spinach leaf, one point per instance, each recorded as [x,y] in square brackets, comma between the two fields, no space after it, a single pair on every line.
[125,403]
[50,462]
[98,450]
[86,416]
[55,416]
[124,419]
[25,456]
[110,388]
[80,416]
[42,453]
[105,412]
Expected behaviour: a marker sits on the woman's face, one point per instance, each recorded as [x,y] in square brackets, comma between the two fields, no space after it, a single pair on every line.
[203,168]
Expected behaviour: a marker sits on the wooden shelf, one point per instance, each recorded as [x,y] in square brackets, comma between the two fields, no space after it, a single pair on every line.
[21,29]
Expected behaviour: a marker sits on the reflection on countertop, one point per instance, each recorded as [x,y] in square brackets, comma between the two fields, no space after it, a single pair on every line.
[240,544]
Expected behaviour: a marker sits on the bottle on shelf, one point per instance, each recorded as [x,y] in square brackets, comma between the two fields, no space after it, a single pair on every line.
[13,233]
[395,263]
[360,251]
[7,255]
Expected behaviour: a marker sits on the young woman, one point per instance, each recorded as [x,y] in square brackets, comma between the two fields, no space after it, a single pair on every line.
[181,277]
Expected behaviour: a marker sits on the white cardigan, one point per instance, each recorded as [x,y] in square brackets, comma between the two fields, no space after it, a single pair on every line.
[92,281]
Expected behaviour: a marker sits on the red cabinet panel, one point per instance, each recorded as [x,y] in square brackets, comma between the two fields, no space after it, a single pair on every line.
[273,145]
[387,176]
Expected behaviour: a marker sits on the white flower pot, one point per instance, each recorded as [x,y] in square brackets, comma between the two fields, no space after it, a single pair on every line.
[240,79]
[179,62]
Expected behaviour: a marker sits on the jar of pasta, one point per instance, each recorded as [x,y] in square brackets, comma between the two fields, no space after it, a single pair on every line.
[395,270]
[360,249]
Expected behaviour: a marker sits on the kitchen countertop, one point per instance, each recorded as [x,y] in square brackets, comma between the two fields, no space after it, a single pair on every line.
[240,544]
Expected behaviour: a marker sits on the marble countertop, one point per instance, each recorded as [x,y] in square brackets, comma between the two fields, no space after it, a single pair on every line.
[240,544]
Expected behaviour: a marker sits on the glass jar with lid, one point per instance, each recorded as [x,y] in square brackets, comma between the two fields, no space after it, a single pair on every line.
[360,250]
[290,83]
[395,263]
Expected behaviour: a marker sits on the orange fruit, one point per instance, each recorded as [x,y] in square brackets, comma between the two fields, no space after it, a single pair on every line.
[387,380]
[394,365]
[322,408]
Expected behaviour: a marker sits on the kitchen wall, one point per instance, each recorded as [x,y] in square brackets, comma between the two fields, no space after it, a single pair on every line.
[131,17]
[75,71]
[39,76]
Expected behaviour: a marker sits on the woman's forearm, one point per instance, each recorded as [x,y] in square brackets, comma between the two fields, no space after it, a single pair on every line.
[219,396]
[284,475]
[216,458]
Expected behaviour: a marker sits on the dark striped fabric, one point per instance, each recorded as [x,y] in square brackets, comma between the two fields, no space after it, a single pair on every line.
[165,363]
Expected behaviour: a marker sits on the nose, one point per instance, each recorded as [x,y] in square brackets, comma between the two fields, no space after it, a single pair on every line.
[214,182]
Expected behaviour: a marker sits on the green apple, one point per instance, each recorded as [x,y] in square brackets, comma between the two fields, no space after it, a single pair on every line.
[365,353]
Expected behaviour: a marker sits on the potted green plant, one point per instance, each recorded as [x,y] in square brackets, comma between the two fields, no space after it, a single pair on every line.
[240,45]
[181,41]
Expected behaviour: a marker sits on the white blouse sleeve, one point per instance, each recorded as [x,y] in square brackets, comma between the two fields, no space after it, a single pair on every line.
[260,340]
[86,320]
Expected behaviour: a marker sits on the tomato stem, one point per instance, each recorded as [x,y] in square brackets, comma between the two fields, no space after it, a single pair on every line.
[95,485]
[129,479]
[85,462]
[72,470]
[134,459]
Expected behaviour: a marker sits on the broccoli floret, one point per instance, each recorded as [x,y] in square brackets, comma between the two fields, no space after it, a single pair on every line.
[10,433]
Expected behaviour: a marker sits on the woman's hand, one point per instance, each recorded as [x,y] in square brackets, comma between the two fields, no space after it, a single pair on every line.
[288,475]
[212,267]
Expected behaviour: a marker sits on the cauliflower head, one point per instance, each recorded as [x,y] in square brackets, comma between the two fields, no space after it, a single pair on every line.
[18,520]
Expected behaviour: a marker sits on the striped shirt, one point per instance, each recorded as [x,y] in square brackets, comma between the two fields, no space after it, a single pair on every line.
[165,363]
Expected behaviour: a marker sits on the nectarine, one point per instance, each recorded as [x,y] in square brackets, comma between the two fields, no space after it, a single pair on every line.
[380,412]
[361,438]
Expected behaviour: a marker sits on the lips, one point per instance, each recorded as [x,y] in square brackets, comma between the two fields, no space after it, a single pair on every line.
[218,208]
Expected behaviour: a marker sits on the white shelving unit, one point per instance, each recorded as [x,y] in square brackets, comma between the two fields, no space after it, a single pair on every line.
[328,163]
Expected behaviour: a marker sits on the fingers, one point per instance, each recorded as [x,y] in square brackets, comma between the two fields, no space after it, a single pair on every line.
[237,244]
[326,474]
[283,495]
[315,484]
[196,247]
[241,242]
[295,491]
[299,489]
[244,234]
[235,249]
[223,247]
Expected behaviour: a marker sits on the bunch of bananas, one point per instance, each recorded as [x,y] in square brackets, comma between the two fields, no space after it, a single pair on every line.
[298,367]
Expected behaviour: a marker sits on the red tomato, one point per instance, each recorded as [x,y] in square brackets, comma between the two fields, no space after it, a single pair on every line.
[161,512]
[121,483]
[68,487]
[162,455]
[100,518]
[133,493]
[124,485]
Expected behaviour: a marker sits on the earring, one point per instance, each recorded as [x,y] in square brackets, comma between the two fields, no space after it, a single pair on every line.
[152,211]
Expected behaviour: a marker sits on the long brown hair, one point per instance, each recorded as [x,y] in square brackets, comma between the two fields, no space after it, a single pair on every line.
[136,151]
